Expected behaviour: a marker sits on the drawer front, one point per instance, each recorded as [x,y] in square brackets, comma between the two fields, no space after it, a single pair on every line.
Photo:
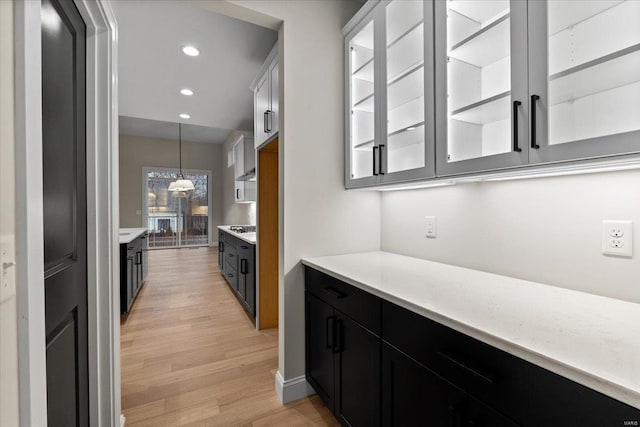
[230,256]
[232,277]
[519,389]
[361,306]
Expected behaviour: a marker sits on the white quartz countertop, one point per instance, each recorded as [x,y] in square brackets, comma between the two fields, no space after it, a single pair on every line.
[593,340]
[247,237]
[128,235]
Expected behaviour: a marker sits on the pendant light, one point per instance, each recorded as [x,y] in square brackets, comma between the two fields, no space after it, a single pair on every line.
[180,186]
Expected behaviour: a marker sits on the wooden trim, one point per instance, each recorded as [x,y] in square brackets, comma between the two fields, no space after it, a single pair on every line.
[268,198]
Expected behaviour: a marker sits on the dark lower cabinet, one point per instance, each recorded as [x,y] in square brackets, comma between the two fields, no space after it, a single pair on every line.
[133,270]
[237,263]
[403,369]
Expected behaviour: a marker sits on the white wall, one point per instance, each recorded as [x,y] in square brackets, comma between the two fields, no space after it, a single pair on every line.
[8,309]
[546,229]
[319,216]
[232,212]
[137,152]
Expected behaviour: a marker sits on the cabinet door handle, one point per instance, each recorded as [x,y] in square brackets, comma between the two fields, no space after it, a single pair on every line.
[330,326]
[468,367]
[534,101]
[380,168]
[237,193]
[337,343]
[516,146]
[267,121]
[221,246]
[375,173]
[243,266]
[334,293]
[264,122]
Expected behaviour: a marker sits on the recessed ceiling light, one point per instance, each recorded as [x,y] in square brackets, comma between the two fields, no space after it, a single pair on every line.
[190,50]
[185,116]
[187,92]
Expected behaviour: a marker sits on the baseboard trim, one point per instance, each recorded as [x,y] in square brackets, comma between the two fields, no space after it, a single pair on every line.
[293,389]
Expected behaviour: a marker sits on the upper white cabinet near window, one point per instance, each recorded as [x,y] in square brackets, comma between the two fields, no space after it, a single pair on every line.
[244,159]
[389,117]
[265,89]
[516,84]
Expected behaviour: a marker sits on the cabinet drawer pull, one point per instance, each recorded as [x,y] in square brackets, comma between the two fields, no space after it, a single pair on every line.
[334,293]
[516,146]
[534,100]
[380,168]
[468,367]
[230,255]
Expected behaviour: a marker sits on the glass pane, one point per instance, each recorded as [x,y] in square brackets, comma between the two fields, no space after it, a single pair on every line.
[479,78]
[405,85]
[362,105]
[177,219]
[594,69]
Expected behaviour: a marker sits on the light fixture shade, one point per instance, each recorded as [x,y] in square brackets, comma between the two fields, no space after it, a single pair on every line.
[181,184]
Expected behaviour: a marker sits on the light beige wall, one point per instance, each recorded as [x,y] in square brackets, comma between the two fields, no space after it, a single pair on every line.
[232,212]
[137,152]
[8,315]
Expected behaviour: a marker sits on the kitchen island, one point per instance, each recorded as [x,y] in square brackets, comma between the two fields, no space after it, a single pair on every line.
[237,263]
[134,265]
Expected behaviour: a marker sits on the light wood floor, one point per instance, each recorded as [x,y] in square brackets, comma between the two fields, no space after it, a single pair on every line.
[191,356]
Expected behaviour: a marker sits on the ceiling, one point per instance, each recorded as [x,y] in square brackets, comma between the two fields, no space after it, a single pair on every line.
[169,130]
[153,69]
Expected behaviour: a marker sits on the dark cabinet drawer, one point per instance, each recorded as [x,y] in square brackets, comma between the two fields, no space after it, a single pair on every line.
[230,256]
[232,277]
[361,306]
[523,391]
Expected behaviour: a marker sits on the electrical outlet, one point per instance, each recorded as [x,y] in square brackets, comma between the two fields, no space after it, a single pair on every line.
[617,238]
[430,227]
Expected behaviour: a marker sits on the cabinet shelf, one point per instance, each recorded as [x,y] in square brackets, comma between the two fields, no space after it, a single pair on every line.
[486,111]
[607,72]
[479,11]
[487,45]
[364,145]
[365,72]
[364,104]
[401,36]
[566,15]
[404,73]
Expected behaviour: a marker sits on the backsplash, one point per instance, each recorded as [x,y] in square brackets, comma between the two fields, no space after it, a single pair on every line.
[546,230]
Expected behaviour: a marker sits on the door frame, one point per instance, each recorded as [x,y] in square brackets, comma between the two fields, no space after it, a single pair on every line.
[145,201]
[103,297]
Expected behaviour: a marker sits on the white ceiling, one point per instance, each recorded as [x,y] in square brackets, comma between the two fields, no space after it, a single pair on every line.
[153,69]
[167,130]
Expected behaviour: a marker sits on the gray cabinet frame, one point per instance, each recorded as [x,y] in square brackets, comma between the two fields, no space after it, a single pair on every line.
[378,16]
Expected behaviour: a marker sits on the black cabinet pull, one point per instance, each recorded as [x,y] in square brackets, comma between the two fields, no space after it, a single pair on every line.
[375,173]
[330,331]
[534,99]
[380,160]
[237,193]
[516,146]
[337,343]
[230,274]
[468,367]
[268,121]
[243,266]
[244,247]
[334,293]
[230,255]
[264,123]
[221,246]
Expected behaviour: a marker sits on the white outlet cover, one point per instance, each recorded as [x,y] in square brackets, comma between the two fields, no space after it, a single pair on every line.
[430,227]
[617,238]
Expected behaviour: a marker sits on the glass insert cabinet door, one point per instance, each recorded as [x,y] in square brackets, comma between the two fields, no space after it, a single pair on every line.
[584,78]
[481,85]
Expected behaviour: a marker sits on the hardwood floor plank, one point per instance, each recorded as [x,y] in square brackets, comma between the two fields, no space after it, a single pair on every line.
[190,356]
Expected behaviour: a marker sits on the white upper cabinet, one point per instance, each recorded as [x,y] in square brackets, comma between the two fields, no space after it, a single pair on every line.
[265,99]
[493,85]
[389,100]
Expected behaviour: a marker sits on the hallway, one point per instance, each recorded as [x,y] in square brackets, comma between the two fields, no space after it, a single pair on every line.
[190,355]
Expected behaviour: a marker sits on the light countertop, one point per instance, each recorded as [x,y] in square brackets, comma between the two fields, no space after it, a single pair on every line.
[247,237]
[128,235]
[592,340]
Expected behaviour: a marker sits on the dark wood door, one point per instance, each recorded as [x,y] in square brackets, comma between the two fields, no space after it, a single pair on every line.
[64,205]
[320,322]
[414,396]
[357,374]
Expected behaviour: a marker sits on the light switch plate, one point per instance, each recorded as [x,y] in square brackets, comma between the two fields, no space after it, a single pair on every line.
[617,238]
[430,226]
